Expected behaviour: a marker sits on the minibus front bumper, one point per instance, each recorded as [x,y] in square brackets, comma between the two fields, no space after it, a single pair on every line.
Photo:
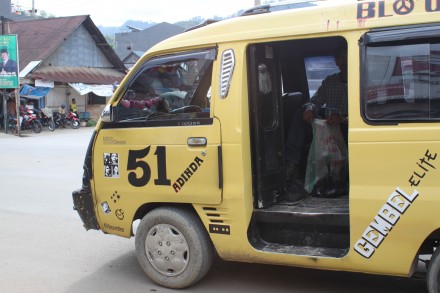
[82,198]
[83,204]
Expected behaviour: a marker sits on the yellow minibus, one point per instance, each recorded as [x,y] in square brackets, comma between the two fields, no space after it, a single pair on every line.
[300,133]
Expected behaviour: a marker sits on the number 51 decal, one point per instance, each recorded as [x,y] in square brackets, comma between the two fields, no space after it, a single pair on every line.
[135,162]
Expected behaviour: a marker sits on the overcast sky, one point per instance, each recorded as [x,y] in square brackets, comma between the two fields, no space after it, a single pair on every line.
[115,13]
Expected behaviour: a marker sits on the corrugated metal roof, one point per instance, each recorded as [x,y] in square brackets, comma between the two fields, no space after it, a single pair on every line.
[88,75]
[39,38]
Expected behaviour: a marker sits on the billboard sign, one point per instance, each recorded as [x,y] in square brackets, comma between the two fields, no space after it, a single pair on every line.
[9,62]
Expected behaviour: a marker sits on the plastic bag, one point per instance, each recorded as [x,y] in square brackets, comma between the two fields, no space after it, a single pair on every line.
[327,163]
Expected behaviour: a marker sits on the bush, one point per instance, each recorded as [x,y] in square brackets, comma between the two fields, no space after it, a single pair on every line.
[90,123]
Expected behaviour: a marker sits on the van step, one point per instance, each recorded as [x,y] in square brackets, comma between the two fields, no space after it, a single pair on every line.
[315,226]
[310,211]
[305,250]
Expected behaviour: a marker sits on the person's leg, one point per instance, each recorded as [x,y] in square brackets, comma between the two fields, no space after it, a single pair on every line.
[63,120]
[293,152]
[344,131]
[294,143]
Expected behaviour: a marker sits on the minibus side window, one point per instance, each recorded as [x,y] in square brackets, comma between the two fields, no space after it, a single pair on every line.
[176,89]
[402,82]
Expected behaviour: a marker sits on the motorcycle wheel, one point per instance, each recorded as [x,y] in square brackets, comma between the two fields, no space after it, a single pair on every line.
[74,124]
[37,127]
[13,129]
[51,125]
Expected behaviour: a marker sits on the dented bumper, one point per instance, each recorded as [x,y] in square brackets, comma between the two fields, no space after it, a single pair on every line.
[83,204]
[82,198]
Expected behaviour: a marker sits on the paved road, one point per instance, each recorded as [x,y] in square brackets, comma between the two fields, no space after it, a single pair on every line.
[44,248]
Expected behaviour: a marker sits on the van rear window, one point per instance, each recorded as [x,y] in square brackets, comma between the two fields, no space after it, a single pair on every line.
[318,68]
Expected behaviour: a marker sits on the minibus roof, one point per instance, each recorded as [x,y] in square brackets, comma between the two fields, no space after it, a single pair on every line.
[309,17]
[278,6]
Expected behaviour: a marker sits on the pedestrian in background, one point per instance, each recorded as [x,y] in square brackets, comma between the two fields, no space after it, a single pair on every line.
[73,107]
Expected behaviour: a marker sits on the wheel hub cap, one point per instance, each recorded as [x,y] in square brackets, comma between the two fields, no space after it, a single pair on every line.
[167,249]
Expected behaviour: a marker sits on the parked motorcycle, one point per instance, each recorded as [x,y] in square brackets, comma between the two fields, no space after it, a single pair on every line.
[46,118]
[30,121]
[60,120]
[12,125]
[72,120]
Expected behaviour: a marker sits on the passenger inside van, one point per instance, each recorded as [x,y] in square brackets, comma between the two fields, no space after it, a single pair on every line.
[330,102]
[162,108]
[130,101]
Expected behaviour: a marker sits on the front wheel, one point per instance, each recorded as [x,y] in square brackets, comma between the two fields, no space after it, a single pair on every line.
[433,276]
[173,247]
[74,124]
[37,127]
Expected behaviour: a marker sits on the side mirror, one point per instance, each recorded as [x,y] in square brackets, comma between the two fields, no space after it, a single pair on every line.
[106,115]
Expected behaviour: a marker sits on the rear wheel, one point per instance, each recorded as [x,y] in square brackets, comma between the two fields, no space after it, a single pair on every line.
[51,125]
[74,124]
[433,276]
[173,247]
[13,128]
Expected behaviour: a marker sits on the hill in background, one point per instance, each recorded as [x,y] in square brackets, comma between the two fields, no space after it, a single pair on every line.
[110,31]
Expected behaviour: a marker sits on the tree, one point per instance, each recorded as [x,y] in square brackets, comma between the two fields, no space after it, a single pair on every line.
[44,14]
[110,40]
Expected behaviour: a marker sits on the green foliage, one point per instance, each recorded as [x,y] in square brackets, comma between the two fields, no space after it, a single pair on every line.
[187,23]
[91,123]
[43,14]
[110,40]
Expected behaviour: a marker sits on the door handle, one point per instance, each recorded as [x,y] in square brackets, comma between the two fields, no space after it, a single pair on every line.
[197,141]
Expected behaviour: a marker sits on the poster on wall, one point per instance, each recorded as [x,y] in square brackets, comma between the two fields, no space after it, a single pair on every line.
[8,62]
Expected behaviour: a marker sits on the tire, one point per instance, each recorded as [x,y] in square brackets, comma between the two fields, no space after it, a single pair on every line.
[37,127]
[173,247]
[433,275]
[74,124]
[13,129]
[51,125]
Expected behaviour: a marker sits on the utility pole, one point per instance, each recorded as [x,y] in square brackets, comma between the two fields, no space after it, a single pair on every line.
[5,109]
[33,8]
[17,96]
